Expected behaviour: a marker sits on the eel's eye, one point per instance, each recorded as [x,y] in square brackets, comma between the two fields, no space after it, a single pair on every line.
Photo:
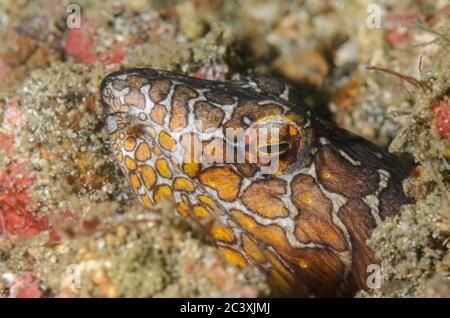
[274,149]
[274,141]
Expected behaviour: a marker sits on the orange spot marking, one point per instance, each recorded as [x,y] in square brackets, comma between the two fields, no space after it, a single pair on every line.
[210,116]
[222,179]
[158,113]
[270,234]
[279,281]
[222,233]
[163,168]
[233,257]
[314,223]
[178,121]
[159,89]
[163,193]
[130,163]
[183,208]
[166,141]
[200,211]
[252,250]
[262,197]
[130,143]
[142,152]
[191,169]
[306,198]
[146,201]
[325,174]
[183,184]
[207,201]
[121,135]
[179,109]
[135,98]
[156,150]
[280,267]
[120,155]
[115,146]
[135,182]
[148,175]
[303,263]
[113,136]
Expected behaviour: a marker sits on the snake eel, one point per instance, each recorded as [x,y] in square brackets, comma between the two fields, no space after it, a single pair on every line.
[303,221]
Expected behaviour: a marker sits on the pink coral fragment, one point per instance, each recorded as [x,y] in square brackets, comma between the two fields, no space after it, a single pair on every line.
[26,286]
[80,43]
[84,45]
[15,216]
[441,110]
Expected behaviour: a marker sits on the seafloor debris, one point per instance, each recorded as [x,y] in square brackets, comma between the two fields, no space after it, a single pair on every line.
[63,201]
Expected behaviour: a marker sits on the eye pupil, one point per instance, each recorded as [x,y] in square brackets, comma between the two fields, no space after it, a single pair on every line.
[274,149]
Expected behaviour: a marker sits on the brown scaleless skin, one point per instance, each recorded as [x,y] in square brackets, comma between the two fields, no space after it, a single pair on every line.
[305,224]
